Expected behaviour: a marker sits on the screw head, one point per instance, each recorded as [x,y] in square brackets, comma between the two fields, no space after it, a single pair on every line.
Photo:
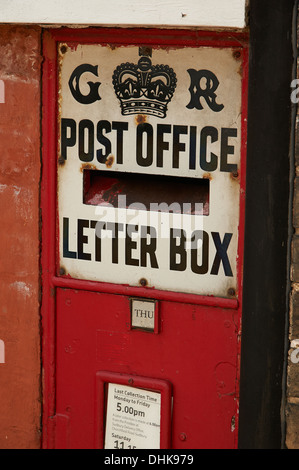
[63,49]
[237,54]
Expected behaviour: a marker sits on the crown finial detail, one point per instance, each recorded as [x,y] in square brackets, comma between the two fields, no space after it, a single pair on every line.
[144,88]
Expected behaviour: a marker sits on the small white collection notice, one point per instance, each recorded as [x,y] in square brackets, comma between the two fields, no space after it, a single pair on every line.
[133,418]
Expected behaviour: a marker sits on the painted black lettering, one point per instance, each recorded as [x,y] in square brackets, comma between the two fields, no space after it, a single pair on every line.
[103,126]
[66,252]
[147,160]
[148,247]
[177,145]
[204,266]
[115,229]
[221,254]
[130,245]
[120,127]
[227,149]
[206,165]
[99,226]
[68,135]
[192,151]
[82,239]
[86,140]
[93,94]
[162,144]
[177,265]
[210,82]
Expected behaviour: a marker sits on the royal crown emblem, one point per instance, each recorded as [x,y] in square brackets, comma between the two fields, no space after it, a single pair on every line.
[144,88]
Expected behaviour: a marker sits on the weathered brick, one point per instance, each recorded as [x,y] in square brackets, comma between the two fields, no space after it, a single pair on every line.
[293,378]
[292,428]
[296,203]
[295,259]
[297,141]
[294,315]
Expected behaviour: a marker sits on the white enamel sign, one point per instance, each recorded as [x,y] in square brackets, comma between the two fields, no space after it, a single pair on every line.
[149,147]
[133,418]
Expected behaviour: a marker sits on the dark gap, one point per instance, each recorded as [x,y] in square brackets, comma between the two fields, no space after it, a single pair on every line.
[170,193]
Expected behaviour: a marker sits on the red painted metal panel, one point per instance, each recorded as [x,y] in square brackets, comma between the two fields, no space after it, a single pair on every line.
[84,327]
[196,351]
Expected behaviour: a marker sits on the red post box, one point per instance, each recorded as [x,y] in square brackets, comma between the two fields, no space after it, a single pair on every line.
[143,199]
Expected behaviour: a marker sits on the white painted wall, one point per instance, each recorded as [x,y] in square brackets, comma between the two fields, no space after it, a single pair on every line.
[178,13]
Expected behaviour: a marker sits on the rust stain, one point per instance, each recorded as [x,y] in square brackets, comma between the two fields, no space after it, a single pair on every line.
[109,161]
[63,48]
[62,271]
[61,161]
[237,54]
[140,119]
[235,176]
[87,166]
[207,176]
[143,282]
[240,71]
[112,46]
[231,291]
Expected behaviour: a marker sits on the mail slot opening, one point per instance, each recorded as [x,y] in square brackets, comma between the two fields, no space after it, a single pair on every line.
[146,192]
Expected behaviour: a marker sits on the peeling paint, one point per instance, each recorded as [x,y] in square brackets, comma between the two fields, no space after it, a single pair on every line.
[87,166]
[233,424]
[109,162]
[22,287]
[2,92]
[2,352]
[16,189]
[295,343]
[235,176]
[140,119]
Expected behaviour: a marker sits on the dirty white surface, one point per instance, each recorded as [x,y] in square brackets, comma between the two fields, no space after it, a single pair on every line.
[223,217]
[180,13]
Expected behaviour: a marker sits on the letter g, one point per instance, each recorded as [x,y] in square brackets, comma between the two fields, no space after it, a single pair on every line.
[93,94]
